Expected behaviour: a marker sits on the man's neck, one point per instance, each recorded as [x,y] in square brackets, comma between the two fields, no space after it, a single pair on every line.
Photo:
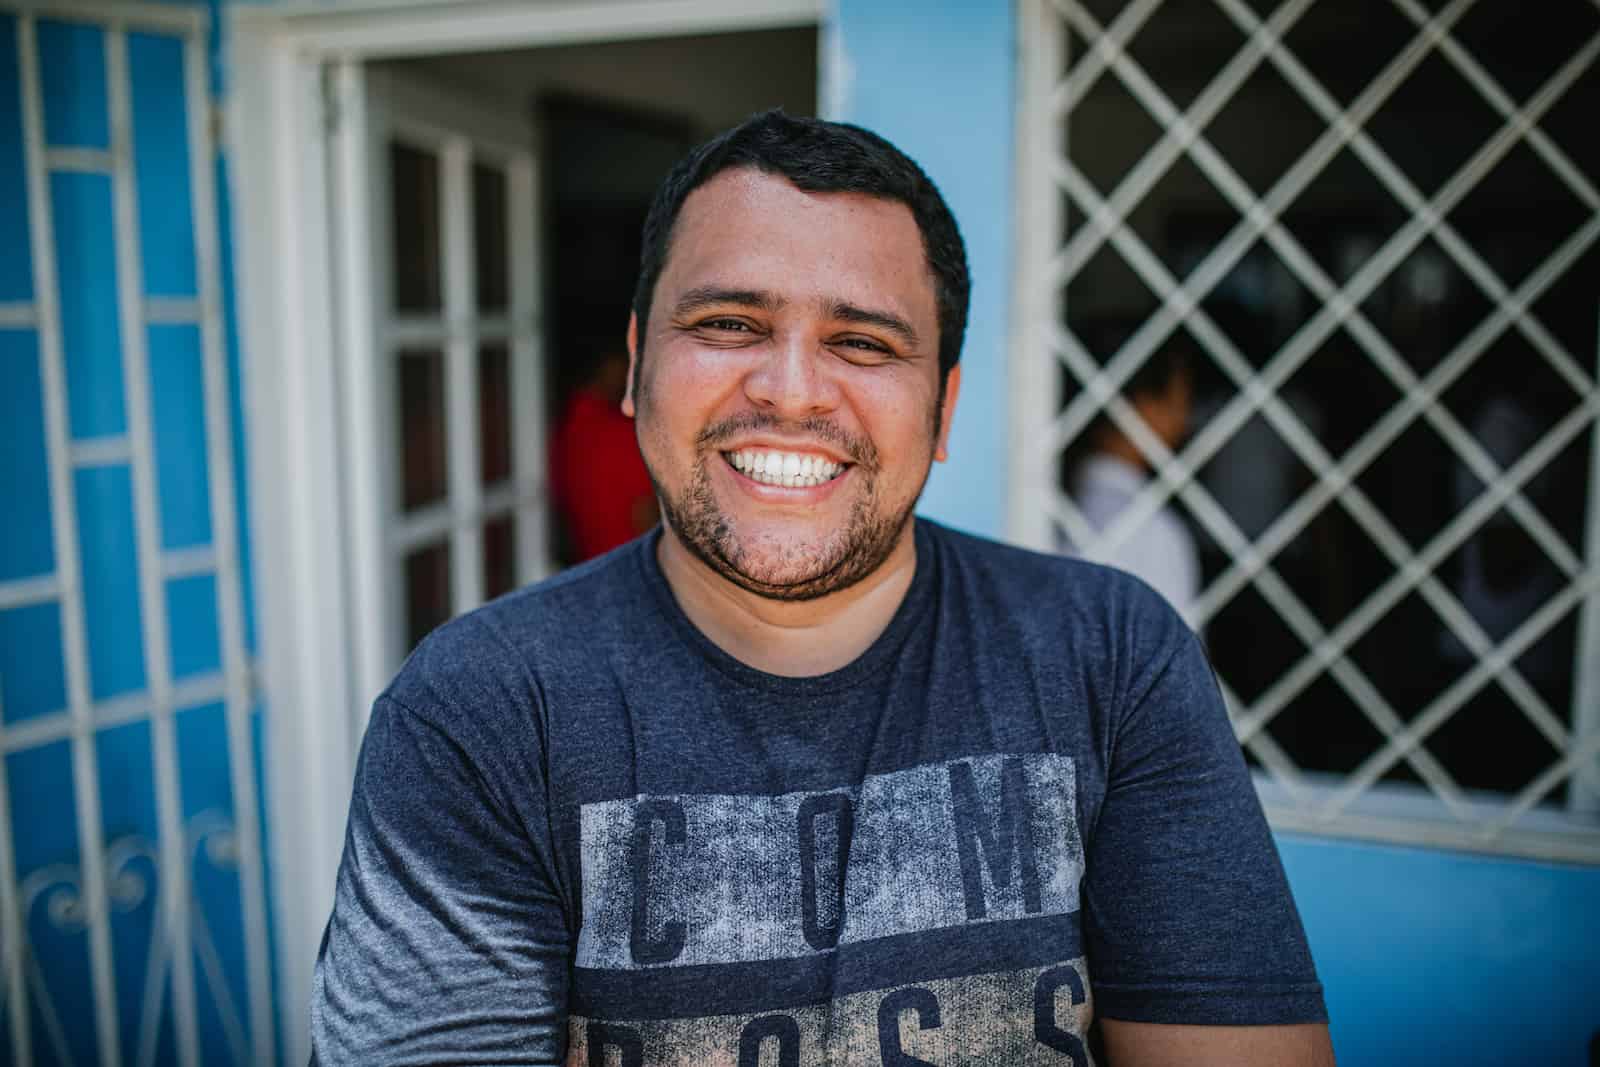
[795,638]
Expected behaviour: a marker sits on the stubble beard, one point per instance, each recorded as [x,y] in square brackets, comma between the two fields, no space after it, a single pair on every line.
[792,571]
[786,572]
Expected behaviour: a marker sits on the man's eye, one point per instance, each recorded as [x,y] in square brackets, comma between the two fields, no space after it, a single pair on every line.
[730,325]
[863,348]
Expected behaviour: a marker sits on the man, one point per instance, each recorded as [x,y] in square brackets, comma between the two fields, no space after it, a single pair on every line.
[798,779]
[1112,469]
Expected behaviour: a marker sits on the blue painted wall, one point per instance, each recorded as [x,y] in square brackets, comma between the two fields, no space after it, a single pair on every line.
[1428,957]
[1442,957]
[937,80]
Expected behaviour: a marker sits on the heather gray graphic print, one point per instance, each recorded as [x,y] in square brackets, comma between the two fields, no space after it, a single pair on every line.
[883,911]
[1037,1015]
[724,879]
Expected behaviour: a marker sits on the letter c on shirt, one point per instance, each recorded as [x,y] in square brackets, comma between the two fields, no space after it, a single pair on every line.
[666,946]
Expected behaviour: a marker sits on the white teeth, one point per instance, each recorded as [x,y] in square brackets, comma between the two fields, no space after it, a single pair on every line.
[789,469]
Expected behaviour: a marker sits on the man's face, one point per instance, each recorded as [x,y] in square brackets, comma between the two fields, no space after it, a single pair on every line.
[787,386]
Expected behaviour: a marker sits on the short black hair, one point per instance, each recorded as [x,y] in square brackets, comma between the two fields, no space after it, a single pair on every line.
[819,157]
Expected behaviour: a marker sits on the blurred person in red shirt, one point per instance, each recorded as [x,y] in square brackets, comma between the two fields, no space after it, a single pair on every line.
[601,488]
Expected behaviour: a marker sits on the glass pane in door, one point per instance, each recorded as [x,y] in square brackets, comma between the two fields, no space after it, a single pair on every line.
[499,556]
[489,221]
[414,193]
[427,590]
[423,477]
[494,412]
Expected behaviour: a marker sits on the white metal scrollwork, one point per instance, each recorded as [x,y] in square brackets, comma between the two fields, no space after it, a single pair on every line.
[52,899]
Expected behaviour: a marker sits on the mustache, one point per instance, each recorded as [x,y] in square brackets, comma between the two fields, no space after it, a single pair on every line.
[859,450]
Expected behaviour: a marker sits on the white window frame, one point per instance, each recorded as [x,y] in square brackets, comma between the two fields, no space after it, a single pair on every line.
[1357,805]
[289,67]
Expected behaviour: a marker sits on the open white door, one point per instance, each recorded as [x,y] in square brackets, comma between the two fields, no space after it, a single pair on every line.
[440,371]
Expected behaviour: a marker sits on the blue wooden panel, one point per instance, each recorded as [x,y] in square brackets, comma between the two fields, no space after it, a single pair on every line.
[26,548]
[72,73]
[177,398]
[45,840]
[33,680]
[127,782]
[40,788]
[16,266]
[132,829]
[161,164]
[86,274]
[193,636]
[203,750]
[106,542]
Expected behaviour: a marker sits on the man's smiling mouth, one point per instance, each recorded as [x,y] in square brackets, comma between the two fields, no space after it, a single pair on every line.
[793,470]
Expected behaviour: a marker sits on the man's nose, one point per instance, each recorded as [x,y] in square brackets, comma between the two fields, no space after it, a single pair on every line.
[792,379]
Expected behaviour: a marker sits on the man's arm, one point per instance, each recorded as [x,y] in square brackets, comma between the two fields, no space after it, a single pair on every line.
[448,942]
[1194,942]
[1169,1045]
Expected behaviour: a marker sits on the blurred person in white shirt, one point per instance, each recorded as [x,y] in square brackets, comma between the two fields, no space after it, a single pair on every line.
[1108,470]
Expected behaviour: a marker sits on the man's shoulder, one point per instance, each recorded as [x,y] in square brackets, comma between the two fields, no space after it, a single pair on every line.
[503,647]
[1036,581]
[1093,620]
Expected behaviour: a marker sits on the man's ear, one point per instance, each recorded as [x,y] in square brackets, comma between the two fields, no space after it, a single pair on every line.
[947,413]
[633,363]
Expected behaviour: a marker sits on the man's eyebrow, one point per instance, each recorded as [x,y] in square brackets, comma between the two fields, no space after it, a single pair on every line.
[884,320]
[702,297]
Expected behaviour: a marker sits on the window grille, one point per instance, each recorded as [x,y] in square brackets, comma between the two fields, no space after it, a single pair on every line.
[1310,195]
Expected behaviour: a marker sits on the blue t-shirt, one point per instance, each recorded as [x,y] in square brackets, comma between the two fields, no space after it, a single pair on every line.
[581,831]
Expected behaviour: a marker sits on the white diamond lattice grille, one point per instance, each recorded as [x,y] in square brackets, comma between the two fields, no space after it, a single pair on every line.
[1067,223]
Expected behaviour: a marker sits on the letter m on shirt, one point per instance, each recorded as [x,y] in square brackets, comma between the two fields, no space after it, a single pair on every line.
[994,835]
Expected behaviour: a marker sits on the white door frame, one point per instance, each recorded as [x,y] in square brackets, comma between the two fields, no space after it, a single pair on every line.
[285,65]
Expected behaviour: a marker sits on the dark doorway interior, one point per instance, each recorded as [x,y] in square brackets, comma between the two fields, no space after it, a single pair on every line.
[604,163]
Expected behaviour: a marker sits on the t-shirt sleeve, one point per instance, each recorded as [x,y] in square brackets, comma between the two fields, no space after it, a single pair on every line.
[1162,554]
[1188,914]
[447,943]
